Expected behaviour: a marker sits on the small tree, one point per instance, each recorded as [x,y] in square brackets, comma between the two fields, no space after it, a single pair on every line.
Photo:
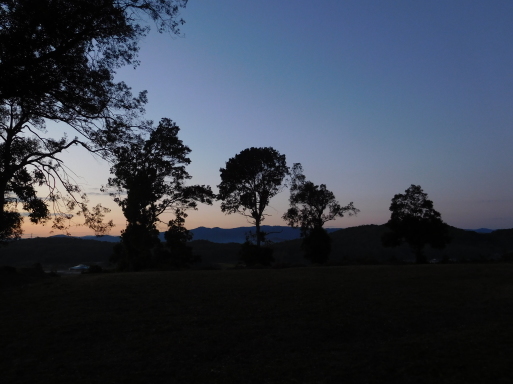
[415,221]
[249,181]
[149,179]
[310,207]
[179,254]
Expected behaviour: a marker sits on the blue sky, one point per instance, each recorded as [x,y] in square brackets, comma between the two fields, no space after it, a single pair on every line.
[370,96]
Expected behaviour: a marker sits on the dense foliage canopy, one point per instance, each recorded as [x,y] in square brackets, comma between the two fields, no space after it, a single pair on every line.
[415,221]
[149,178]
[58,59]
[312,205]
[248,182]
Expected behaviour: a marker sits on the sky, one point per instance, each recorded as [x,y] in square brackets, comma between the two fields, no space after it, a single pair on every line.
[369,96]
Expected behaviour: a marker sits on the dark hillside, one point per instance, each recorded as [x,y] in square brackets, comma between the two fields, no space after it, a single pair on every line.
[363,244]
[64,252]
[473,245]
[352,245]
[55,252]
[355,244]
[212,253]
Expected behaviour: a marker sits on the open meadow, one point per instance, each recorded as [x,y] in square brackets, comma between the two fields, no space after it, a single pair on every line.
[356,324]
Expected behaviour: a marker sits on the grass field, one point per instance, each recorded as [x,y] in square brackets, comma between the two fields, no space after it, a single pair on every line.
[358,324]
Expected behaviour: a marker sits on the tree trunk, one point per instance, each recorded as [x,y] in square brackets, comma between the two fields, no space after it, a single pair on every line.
[257,230]
[3,187]
[420,257]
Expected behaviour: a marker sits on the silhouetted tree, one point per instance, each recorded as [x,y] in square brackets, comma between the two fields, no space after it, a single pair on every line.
[149,179]
[57,62]
[310,207]
[415,221]
[178,254]
[249,181]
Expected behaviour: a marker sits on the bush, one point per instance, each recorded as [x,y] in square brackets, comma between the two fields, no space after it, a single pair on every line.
[252,255]
[317,245]
[174,255]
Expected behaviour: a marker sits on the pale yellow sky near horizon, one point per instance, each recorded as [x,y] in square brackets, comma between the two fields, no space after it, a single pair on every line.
[91,172]
[205,216]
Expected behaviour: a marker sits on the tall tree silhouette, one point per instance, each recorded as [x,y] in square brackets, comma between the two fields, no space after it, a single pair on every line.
[415,221]
[248,182]
[57,62]
[310,207]
[149,179]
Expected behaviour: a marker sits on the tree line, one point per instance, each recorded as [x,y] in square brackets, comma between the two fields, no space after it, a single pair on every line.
[62,70]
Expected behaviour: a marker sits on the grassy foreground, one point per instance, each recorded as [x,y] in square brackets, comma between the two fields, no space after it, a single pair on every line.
[361,324]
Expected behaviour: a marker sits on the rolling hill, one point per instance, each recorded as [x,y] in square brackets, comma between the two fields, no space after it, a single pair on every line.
[351,245]
[363,244]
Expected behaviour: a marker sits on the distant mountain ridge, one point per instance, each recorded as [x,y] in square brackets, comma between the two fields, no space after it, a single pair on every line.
[481,230]
[277,234]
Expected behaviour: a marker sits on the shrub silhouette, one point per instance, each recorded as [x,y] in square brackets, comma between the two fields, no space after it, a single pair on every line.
[253,254]
[178,254]
[317,245]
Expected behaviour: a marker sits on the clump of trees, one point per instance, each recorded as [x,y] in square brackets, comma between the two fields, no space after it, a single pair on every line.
[311,206]
[415,221]
[149,178]
[61,69]
[253,177]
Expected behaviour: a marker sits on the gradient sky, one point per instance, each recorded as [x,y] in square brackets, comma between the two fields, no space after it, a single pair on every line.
[370,96]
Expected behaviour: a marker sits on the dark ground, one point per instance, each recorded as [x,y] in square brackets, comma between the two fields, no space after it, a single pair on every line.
[354,324]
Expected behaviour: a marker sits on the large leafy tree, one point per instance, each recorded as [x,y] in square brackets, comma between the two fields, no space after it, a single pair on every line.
[149,179]
[415,221]
[248,182]
[311,206]
[57,62]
